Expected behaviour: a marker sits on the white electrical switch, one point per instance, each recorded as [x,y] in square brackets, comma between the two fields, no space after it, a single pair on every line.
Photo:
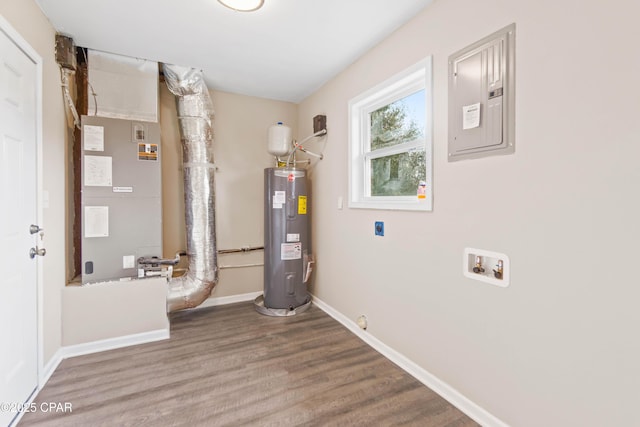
[128,261]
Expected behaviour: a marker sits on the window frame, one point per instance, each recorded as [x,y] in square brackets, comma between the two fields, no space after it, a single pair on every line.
[413,79]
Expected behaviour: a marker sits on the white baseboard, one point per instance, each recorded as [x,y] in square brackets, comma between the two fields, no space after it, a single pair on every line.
[475,412]
[231,299]
[113,343]
[49,368]
[472,410]
[125,341]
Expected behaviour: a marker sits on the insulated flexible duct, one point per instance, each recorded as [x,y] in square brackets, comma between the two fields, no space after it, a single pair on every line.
[195,113]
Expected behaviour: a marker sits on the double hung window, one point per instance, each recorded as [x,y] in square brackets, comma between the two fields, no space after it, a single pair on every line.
[390,143]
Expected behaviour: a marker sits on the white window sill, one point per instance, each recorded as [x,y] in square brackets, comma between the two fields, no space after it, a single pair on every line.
[422,205]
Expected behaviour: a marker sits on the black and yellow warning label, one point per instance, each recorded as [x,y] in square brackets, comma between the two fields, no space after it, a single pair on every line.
[148,152]
[302,205]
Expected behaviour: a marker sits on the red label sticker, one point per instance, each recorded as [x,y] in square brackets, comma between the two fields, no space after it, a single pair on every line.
[291,177]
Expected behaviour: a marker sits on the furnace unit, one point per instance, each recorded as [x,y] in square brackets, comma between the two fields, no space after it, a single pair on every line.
[121,197]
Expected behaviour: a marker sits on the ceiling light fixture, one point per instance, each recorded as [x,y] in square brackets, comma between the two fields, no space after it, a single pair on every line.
[242,5]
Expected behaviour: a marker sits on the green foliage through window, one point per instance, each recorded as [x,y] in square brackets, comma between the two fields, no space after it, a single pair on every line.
[397,175]
[398,123]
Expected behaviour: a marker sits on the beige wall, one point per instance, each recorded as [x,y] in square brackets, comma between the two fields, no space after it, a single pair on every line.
[113,310]
[28,20]
[559,346]
[240,130]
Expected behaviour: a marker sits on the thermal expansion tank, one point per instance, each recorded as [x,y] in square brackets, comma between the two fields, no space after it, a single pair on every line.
[286,238]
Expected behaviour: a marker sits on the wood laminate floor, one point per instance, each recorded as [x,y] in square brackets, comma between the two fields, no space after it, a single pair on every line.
[230,366]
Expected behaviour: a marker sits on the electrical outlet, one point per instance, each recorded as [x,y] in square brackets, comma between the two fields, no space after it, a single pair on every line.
[379,228]
[128,261]
[361,321]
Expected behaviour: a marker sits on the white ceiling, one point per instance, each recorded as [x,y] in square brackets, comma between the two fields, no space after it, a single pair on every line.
[284,51]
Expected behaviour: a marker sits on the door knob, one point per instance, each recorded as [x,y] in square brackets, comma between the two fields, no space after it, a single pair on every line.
[33,229]
[33,252]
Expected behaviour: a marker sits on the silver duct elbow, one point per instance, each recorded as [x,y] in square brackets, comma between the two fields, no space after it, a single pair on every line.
[195,113]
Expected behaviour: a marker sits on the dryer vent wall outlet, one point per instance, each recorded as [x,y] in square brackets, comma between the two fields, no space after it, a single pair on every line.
[379,228]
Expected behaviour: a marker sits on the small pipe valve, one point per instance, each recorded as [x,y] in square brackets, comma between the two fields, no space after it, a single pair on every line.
[478,268]
[498,273]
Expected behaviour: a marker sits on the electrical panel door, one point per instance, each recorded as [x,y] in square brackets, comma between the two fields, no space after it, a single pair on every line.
[482,97]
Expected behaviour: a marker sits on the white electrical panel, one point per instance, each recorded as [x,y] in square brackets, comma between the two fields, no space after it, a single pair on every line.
[482,97]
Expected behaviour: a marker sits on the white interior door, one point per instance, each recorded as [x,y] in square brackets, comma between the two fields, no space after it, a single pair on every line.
[18,278]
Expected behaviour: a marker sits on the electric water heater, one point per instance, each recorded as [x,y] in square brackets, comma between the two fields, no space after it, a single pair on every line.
[286,242]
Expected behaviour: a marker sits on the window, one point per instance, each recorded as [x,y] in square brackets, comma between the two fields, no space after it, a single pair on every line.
[390,143]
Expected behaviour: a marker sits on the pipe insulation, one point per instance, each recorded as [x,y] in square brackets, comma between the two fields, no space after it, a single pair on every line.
[195,112]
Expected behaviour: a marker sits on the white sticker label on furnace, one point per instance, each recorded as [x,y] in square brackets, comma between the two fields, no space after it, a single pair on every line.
[293,237]
[289,251]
